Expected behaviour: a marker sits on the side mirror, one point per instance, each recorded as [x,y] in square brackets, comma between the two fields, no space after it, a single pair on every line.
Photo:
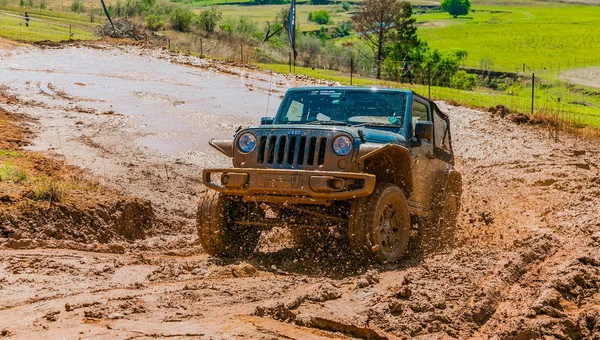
[266,120]
[424,130]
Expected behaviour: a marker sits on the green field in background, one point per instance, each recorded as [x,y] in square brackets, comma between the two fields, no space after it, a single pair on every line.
[49,28]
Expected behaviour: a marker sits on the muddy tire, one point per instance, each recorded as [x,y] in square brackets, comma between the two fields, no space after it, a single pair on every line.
[439,229]
[379,224]
[217,231]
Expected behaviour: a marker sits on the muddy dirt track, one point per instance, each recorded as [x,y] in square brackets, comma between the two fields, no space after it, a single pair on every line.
[526,264]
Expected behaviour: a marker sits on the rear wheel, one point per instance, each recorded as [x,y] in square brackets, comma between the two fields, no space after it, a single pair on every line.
[379,225]
[217,230]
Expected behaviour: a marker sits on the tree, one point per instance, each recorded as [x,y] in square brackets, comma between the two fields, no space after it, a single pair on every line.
[456,7]
[374,21]
[403,39]
[181,19]
[208,19]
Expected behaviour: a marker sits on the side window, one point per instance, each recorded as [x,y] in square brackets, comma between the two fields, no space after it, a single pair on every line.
[441,131]
[419,112]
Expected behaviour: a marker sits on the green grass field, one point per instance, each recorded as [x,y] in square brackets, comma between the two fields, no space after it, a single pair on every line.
[556,37]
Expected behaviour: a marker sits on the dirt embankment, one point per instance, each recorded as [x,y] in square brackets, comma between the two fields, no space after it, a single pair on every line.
[527,264]
[45,202]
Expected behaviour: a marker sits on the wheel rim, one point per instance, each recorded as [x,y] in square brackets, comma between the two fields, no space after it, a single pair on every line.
[390,228]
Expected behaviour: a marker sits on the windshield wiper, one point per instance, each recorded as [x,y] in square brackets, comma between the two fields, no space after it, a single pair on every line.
[327,122]
[377,124]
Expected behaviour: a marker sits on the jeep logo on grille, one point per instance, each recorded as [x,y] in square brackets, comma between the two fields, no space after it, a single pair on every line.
[294,132]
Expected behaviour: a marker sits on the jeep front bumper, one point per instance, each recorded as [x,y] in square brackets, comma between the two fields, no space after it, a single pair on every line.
[289,186]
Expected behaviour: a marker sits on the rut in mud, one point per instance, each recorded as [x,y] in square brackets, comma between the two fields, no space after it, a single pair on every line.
[527,263]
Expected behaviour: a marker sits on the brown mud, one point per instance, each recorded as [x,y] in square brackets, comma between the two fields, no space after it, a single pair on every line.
[526,264]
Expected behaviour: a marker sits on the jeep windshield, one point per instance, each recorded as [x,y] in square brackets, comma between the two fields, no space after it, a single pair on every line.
[364,107]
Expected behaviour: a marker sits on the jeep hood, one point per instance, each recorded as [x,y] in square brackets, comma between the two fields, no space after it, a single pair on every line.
[371,134]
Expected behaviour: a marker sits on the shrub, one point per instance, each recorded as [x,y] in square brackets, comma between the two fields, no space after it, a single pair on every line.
[320,2]
[226,27]
[208,19]
[463,80]
[320,17]
[346,6]
[245,28]
[77,6]
[154,22]
[181,19]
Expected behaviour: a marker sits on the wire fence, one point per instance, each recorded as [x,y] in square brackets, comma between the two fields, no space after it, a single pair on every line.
[519,91]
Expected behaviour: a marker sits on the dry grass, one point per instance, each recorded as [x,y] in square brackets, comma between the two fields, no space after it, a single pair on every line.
[48,189]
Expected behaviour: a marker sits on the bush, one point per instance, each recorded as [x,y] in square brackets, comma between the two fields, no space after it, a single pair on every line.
[77,6]
[320,2]
[154,23]
[181,19]
[346,6]
[463,80]
[226,27]
[320,17]
[208,19]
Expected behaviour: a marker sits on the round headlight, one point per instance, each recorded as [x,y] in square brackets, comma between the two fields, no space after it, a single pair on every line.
[342,145]
[247,142]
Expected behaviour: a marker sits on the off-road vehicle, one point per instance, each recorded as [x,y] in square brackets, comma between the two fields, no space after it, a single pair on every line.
[367,162]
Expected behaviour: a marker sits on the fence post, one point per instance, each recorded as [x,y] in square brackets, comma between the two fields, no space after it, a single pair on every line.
[523,67]
[429,81]
[169,42]
[242,53]
[351,70]
[532,91]
[201,49]
[290,56]
[70,31]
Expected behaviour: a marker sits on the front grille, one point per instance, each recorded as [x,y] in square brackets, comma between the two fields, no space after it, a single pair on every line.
[292,150]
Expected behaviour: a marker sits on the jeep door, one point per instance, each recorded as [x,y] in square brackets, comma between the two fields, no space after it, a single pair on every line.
[431,156]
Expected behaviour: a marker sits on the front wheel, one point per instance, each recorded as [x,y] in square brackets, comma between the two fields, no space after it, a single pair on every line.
[379,225]
[217,230]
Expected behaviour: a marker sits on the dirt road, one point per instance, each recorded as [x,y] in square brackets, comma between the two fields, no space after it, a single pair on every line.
[527,264]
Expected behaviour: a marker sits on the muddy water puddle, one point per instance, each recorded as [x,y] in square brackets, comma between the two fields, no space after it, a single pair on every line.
[176,106]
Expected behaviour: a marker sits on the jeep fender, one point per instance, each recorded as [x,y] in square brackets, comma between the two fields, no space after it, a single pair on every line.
[389,163]
[224,146]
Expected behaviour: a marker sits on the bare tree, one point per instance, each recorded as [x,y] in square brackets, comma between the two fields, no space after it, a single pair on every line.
[373,21]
